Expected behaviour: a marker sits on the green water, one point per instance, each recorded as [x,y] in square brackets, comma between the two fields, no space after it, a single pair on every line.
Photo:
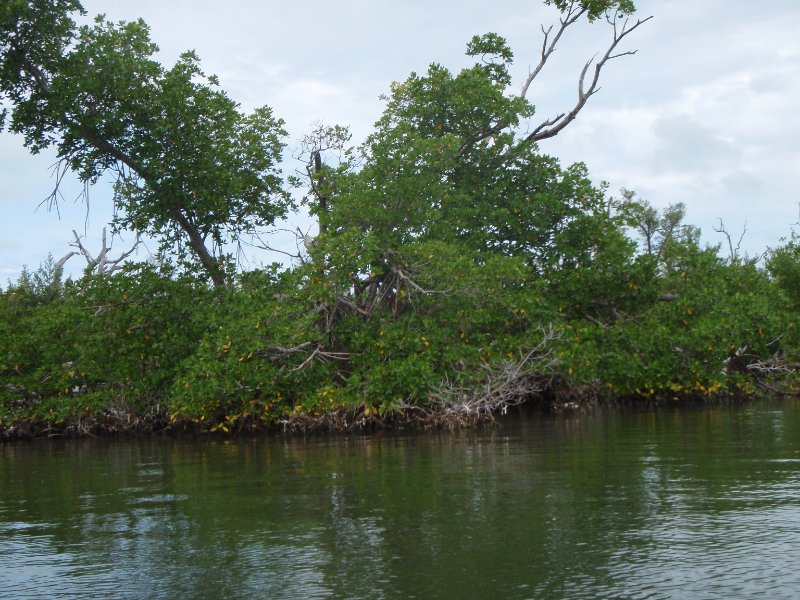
[695,503]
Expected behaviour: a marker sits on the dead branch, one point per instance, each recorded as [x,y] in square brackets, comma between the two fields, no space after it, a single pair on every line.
[617,314]
[573,14]
[278,353]
[322,356]
[500,386]
[63,260]
[58,171]
[733,251]
[761,370]
[101,264]
[323,140]
[397,289]
[262,245]
[555,125]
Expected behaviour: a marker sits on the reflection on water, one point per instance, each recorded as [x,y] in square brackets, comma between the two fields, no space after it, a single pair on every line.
[696,503]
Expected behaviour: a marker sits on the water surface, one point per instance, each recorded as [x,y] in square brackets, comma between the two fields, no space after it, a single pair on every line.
[690,503]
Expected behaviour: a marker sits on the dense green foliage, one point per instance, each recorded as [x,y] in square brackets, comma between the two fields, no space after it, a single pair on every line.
[191,169]
[594,8]
[458,269]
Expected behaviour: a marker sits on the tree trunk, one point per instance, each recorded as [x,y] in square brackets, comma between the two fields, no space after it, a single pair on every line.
[196,241]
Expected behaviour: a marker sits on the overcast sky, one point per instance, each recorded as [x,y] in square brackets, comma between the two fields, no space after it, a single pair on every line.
[705,113]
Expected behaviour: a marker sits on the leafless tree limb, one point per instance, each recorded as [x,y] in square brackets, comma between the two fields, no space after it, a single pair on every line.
[762,370]
[501,386]
[101,264]
[554,126]
[733,251]
[63,260]
[262,245]
[276,352]
[573,14]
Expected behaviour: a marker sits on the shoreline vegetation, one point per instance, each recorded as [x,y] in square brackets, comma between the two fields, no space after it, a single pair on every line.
[138,351]
[119,421]
[457,269]
[360,421]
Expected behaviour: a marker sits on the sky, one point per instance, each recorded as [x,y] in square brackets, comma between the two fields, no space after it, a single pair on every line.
[704,113]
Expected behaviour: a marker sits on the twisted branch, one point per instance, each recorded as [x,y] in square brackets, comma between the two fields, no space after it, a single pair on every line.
[501,385]
[554,126]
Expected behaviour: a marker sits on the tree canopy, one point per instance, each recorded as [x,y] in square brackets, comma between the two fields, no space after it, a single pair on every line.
[594,8]
[191,168]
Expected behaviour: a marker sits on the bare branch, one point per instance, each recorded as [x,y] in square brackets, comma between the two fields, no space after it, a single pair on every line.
[502,385]
[733,251]
[573,14]
[546,124]
[60,264]
[761,369]
[278,353]
[101,264]
[299,238]
[553,127]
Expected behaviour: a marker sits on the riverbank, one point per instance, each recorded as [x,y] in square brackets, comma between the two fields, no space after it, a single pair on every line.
[359,419]
[141,350]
